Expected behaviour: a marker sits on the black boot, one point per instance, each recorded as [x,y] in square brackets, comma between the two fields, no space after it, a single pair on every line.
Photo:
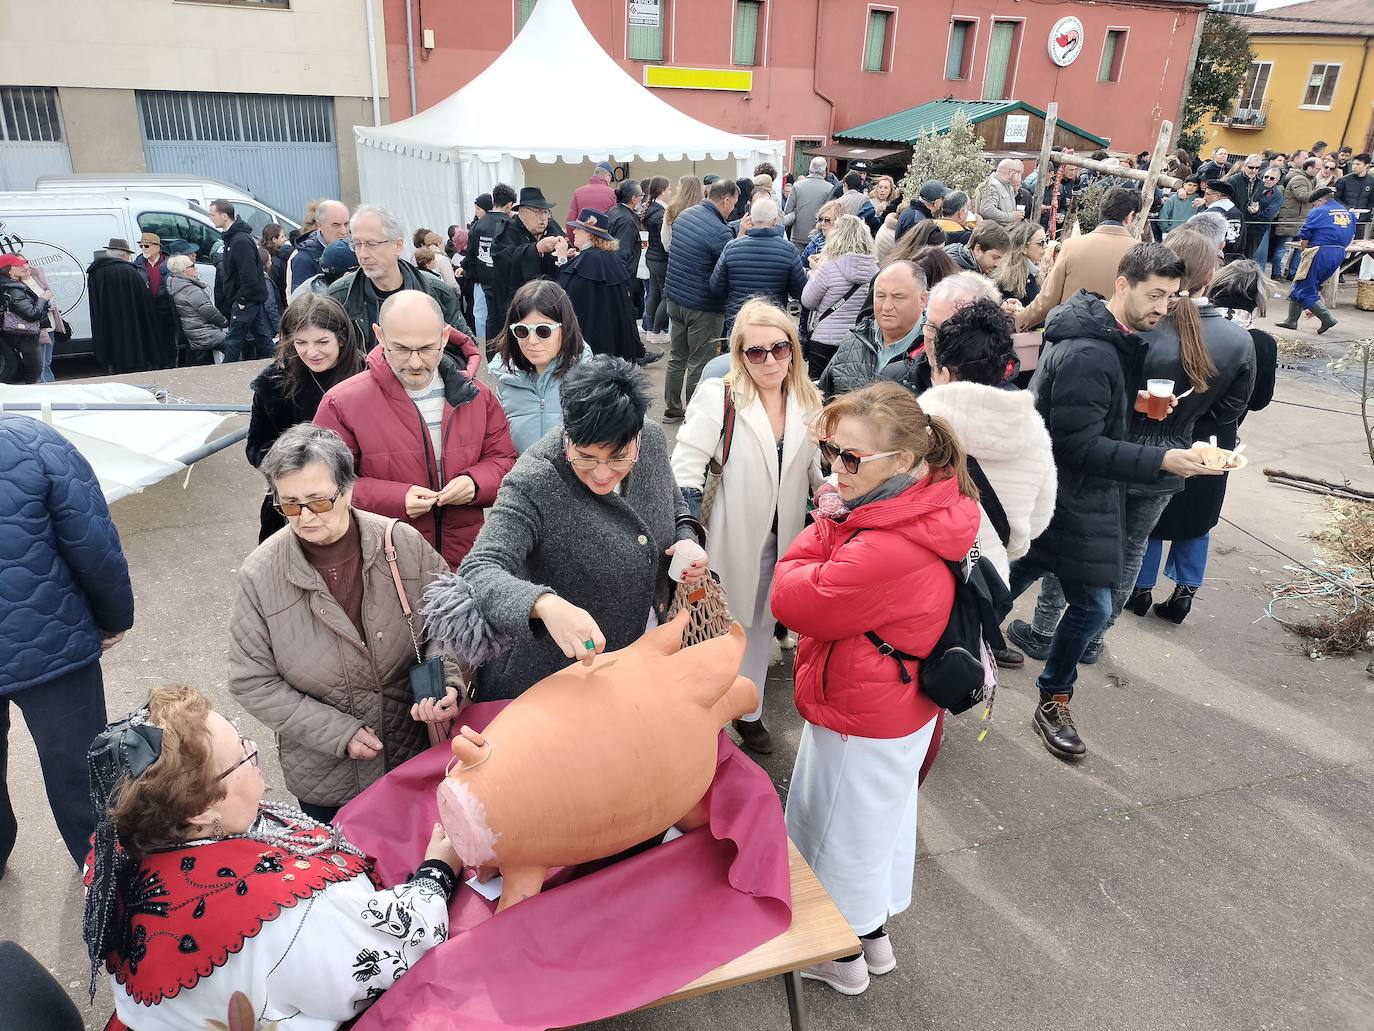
[1323,316]
[1178,606]
[755,736]
[1054,724]
[1139,601]
[1294,313]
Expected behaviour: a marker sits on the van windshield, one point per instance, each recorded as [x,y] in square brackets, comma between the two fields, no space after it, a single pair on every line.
[169,226]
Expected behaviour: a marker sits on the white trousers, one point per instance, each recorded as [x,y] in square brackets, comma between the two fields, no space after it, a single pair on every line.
[852,812]
[758,634]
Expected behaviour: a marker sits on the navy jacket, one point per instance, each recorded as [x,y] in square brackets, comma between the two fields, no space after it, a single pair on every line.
[762,262]
[1356,192]
[305,259]
[63,578]
[699,235]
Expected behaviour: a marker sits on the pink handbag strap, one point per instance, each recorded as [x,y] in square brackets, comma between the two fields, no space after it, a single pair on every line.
[390,553]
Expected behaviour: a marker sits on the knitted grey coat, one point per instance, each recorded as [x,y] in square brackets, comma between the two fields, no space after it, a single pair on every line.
[547,533]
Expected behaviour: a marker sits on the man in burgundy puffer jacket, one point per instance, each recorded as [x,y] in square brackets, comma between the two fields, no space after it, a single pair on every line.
[431,444]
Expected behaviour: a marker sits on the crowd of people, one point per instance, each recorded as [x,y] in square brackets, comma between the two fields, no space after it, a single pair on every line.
[856,429]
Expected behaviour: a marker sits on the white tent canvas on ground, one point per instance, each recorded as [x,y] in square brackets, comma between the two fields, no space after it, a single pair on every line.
[554,95]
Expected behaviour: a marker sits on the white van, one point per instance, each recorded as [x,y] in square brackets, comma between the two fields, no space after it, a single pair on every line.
[62,233]
[197,191]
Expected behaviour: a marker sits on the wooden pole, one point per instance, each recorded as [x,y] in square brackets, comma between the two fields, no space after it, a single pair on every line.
[1042,168]
[1147,192]
[1077,161]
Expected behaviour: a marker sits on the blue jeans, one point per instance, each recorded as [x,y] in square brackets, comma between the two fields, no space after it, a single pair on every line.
[46,375]
[1278,257]
[1089,609]
[250,334]
[479,310]
[1187,565]
[655,319]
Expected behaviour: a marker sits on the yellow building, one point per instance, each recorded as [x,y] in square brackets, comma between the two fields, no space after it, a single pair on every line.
[1312,79]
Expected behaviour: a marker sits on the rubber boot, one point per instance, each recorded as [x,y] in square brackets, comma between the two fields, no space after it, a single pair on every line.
[1294,313]
[1323,316]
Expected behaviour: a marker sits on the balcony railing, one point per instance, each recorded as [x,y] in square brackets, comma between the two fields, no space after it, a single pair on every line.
[1243,117]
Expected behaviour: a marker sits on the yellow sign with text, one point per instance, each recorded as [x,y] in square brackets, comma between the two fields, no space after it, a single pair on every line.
[733,79]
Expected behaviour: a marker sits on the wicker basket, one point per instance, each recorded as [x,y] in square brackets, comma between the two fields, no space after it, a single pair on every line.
[1364,295]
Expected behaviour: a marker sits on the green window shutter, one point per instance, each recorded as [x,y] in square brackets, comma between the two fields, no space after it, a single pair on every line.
[747,32]
[875,49]
[1104,71]
[523,10]
[646,41]
[954,61]
[999,60]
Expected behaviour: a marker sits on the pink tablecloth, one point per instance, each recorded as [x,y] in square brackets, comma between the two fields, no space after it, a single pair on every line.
[595,945]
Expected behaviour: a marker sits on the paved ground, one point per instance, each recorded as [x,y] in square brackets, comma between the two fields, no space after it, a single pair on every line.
[1208,867]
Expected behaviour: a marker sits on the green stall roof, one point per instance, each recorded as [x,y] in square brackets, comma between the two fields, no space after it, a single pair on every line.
[934,117]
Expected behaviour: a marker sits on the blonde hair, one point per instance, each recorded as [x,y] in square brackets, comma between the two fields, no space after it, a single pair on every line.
[1013,274]
[892,192]
[833,208]
[902,425]
[687,194]
[759,312]
[849,235]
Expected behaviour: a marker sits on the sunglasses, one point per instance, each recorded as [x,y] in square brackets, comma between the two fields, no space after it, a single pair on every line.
[781,351]
[849,459]
[319,507]
[825,221]
[541,330]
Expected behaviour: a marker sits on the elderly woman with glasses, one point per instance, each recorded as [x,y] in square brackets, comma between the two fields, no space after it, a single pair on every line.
[574,556]
[201,890]
[320,645]
[752,424]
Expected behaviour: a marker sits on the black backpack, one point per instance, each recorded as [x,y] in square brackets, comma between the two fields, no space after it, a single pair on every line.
[952,674]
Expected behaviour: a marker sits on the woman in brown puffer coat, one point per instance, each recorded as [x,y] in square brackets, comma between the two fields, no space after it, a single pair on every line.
[319,648]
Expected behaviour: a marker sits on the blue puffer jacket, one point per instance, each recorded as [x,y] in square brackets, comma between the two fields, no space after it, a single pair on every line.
[762,262]
[533,406]
[699,235]
[63,578]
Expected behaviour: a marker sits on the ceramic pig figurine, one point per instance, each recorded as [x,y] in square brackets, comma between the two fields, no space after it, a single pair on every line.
[595,759]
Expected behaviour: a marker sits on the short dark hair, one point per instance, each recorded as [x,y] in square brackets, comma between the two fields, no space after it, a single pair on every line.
[709,178]
[1099,155]
[550,300]
[1362,158]
[502,194]
[989,236]
[975,343]
[1119,203]
[224,207]
[604,401]
[1346,150]
[1150,259]
[628,190]
[854,181]
[1319,145]
[721,189]
[1196,180]
[1310,162]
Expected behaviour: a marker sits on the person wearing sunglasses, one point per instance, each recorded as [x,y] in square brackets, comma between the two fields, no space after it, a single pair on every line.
[200,888]
[760,503]
[593,274]
[539,345]
[573,559]
[1259,224]
[827,218]
[909,506]
[320,650]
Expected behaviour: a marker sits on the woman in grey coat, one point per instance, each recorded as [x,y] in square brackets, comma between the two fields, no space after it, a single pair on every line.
[201,322]
[572,560]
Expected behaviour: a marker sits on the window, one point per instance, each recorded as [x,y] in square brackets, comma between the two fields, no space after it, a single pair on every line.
[1256,85]
[523,10]
[644,38]
[28,114]
[801,153]
[1001,60]
[747,18]
[1321,85]
[876,45]
[1113,49]
[234,117]
[168,227]
[960,57]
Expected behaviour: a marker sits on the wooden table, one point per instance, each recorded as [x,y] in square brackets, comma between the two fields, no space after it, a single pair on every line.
[818,933]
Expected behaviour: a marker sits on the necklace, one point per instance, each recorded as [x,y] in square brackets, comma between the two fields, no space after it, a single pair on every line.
[289,830]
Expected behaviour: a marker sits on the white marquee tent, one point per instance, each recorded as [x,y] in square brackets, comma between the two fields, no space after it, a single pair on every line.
[552,95]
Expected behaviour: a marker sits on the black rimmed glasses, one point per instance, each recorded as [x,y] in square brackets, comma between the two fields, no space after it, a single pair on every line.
[319,506]
[250,755]
[780,351]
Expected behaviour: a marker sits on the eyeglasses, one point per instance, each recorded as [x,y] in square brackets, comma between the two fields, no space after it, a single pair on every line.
[250,755]
[406,353]
[781,351]
[586,465]
[1271,178]
[369,245]
[541,330]
[148,246]
[320,506]
[849,459]
[825,221]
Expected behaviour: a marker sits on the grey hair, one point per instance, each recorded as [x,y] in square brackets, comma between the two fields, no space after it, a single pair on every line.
[818,166]
[180,262]
[955,202]
[917,273]
[965,286]
[764,212]
[305,443]
[391,224]
[1211,224]
[321,207]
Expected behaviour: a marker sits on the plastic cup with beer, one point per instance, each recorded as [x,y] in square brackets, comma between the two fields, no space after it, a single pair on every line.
[1157,404]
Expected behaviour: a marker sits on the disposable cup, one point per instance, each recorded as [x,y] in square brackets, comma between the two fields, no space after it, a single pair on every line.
[684,554]
[1157,404]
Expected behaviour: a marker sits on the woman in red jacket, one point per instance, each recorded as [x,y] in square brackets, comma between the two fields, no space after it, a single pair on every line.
[877,565]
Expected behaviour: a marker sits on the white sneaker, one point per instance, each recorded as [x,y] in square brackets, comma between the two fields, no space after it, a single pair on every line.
[878,955]
[846,978]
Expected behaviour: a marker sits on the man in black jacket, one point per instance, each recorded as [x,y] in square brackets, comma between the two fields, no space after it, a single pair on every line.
[241,288]
[1356,190]
[523,250]
[477,261]
[623,222]
[1085,389]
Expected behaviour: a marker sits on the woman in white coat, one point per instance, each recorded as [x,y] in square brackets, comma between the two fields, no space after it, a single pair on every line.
[773,464]
[998,427]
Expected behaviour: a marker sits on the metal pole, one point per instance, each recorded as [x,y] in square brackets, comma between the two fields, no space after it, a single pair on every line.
[115,406]
[410,55]
[1042,168]
[211,446]
[1147,192]
[372,63]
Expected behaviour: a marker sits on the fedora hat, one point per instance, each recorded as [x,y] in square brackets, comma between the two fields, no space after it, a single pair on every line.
[532,197]
[592,221]
[116,244]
